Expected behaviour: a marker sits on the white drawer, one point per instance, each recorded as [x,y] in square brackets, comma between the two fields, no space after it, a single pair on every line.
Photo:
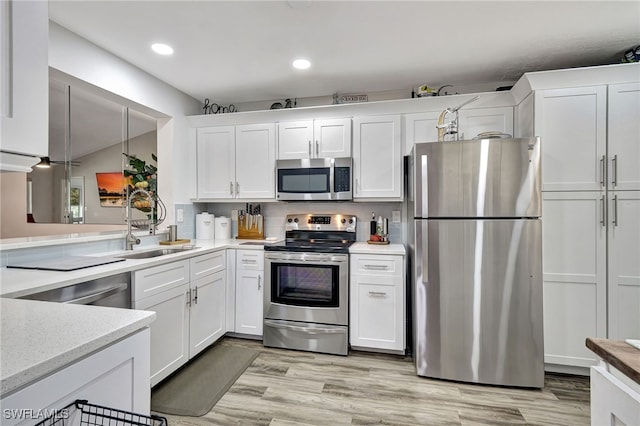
[207,264]
[148,282]
[378,264]
[250,259]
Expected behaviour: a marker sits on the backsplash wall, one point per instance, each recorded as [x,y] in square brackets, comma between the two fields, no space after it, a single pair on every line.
[275,214]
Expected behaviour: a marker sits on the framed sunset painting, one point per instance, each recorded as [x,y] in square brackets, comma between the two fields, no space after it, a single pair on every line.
[111,189]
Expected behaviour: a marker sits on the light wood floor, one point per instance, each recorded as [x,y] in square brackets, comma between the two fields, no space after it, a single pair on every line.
[285,387]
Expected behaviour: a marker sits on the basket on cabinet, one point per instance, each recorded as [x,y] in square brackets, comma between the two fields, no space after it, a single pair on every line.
[92,415]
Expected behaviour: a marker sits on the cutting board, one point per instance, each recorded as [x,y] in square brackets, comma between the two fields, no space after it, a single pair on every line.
[69,263]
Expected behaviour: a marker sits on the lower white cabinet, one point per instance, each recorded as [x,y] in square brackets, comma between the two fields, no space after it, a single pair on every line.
[116,376]
[615,398]
[377,302]
[190,315]
[249,291]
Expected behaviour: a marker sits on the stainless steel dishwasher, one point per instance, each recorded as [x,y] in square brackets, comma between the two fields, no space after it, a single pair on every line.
[113,291]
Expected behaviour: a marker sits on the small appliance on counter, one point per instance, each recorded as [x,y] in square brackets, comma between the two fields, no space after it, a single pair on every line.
[251,223]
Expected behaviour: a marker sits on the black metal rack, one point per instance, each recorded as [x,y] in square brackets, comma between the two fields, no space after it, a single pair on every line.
[98,415]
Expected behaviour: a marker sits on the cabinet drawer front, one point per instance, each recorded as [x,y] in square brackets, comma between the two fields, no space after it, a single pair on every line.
[250,259]
[148,282]
[208,264]
[376,264]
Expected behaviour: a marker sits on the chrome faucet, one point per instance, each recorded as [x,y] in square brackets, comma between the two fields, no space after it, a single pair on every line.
[131,239]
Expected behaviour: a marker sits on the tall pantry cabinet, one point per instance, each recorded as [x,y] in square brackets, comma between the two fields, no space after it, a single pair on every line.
[591,205]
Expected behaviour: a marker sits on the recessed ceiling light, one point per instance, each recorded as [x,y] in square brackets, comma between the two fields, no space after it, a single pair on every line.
[301,64]
[162,49]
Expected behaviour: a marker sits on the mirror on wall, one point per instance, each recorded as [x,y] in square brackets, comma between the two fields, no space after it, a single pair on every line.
[87,136]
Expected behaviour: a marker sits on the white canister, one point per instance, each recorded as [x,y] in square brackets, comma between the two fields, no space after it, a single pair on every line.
[204,226]
[223,228]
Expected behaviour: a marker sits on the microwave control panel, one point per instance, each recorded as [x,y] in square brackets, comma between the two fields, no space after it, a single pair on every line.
[342,179]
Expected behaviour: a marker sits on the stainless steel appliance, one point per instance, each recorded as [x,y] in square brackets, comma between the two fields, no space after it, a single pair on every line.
[307,284]
[477,274]
[314,179]
[113,291]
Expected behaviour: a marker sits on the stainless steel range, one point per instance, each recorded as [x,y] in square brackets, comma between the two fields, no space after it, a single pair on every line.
[307,284]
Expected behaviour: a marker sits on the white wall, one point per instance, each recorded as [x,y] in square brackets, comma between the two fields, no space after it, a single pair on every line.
[112,77]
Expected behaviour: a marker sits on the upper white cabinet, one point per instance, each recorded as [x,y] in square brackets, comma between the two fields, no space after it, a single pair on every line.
[421,127]
[624,136]
[329,138]
[377,158]
[24,82]
[418,128]
[236,162]
[572,125]
[472,122]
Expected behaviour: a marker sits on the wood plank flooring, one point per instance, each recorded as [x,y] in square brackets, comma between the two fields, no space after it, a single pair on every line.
[283,388]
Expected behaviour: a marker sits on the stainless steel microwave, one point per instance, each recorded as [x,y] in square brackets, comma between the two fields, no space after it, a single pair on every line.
[314,179]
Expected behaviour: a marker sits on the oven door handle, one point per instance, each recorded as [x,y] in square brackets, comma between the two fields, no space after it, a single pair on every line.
[306,330]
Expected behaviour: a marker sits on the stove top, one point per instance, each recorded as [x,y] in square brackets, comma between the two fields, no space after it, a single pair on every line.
[319,233]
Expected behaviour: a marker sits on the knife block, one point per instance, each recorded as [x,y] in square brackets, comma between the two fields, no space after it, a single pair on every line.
[251,227]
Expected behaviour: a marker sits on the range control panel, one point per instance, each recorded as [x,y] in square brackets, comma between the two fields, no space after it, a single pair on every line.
[321,222]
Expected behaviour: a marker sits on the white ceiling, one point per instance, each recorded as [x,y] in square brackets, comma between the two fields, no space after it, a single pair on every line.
[240,51]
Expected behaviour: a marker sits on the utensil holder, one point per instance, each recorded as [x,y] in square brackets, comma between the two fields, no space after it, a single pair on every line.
[251,227]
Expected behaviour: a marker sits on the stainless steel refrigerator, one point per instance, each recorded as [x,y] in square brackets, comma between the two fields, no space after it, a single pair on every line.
[477,261]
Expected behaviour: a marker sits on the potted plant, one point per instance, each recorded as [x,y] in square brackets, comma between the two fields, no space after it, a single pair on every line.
[141,175]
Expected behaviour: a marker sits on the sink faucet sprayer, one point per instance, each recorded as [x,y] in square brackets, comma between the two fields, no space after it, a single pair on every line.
[131,239]
[451,127]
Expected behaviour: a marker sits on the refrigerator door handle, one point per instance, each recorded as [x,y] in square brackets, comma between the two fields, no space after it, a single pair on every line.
[424,181]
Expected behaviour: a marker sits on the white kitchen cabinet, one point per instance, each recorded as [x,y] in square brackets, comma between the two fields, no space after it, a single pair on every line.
[377,302]
[623,126]
[24,83]
[624,265]
[207,316]
[189,299]
[328,138]
[249,292]
[472,122]
[420,127]
[574,275]
[116,376]
[377,158]
[615,398]
[572,125]
[236,162]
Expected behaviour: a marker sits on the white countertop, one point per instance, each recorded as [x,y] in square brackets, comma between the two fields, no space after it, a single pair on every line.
[20,282]
[39,338]
[365,248]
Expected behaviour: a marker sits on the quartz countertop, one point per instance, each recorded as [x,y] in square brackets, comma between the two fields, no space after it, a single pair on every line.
[366,248]
[618,353]
[21,282]
[39,338]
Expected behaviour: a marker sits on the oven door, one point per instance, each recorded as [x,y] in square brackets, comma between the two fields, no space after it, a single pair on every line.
[306,287]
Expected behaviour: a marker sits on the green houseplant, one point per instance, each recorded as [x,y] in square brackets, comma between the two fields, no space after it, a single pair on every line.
[141,175]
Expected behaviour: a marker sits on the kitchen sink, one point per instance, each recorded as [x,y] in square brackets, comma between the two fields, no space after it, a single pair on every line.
[154,253]
[253,243]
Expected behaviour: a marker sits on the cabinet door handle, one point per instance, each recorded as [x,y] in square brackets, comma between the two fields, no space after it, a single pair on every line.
[377,267]
[377,293]
[252,261]
[602,172]
[259,282]
[195,297]
[309,149]
[230,188]
[615,210]
[614,166]
[603,219]
[237,188]
[317,148]
[189,297]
